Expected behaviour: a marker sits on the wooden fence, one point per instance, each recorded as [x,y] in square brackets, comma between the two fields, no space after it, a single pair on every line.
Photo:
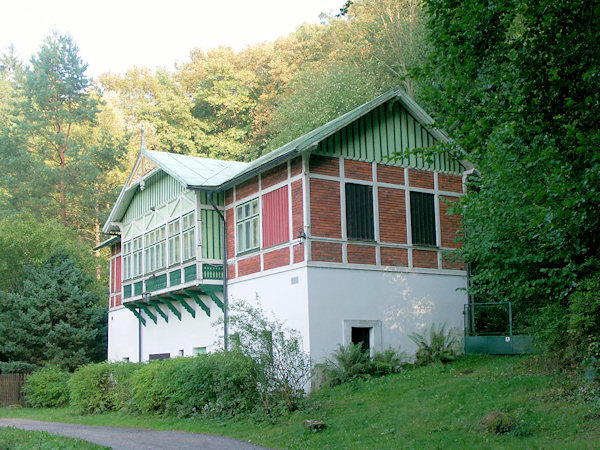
[10,388]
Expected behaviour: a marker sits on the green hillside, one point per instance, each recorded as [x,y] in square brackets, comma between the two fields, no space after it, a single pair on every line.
[430,407]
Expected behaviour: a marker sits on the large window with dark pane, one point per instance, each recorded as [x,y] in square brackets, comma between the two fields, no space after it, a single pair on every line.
[359,212]
[422,213]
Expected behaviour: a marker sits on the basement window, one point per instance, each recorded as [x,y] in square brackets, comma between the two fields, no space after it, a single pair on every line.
[159,356]
[362,336]
[422,213]
[359,212]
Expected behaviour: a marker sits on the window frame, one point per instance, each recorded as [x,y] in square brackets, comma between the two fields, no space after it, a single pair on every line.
[423,224]
[188,230]
[253,221]
[359,228]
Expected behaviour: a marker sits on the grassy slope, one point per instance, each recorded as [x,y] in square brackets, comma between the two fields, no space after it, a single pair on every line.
[12,438]
[436,406]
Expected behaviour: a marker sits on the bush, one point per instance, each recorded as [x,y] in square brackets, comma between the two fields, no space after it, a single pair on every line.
[90,388]
[121,374]
[18,367]
[584,316]
[351,361]
[282,367]
[439,346]
[214,385]
[100,387]
[47,388]
[498,422]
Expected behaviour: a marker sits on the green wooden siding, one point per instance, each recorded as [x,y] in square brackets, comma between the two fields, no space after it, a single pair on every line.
[212,234]
[378,134]
[156,283]
[212,272]
[138,288]
[175,277]
[159,189]
[218,198]
[189,273]
[126,291]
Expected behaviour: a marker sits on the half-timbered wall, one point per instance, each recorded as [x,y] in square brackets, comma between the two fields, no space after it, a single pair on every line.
[182,227]
[279,192]
[397,225]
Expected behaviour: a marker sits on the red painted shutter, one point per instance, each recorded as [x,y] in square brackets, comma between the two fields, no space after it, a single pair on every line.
[112,275]
[275,217]
[118,274]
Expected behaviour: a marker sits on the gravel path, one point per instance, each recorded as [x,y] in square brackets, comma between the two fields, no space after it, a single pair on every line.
[131,438]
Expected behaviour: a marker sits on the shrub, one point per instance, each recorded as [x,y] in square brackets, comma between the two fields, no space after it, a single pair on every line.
[18,367]
[439,346]
[282,367]
[351,361]
[584,316]
[121,374]
[215,385]
[90,388]
[47,388]
[100,387]
[498,423]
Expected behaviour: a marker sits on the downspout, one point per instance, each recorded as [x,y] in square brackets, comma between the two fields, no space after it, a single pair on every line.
[140,340]
[225,294]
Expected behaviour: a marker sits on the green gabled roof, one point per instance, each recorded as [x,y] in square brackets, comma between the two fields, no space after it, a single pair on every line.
[193,171]
[111,240]
[216,175]
[312,138]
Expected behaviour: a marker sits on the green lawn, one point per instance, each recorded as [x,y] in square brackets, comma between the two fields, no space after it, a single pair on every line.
[435,406]
[13,438]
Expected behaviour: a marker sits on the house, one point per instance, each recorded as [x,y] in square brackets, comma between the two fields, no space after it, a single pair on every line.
[328,233]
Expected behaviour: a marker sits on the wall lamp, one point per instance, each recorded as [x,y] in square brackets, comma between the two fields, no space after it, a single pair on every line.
[301,235]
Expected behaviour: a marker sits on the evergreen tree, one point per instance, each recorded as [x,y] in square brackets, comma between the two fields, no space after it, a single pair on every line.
[56,320]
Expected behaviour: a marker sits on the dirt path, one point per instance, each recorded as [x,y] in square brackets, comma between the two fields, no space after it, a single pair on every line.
[131,438]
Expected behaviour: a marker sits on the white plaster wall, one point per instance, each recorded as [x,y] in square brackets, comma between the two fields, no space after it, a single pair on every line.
[403,302]
[278,297]
[164,337]
[122,335]
[185,334]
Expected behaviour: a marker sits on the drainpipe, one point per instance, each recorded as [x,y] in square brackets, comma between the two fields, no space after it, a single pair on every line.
[225,294]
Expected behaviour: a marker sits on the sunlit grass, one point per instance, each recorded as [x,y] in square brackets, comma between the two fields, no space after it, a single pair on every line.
[13,438]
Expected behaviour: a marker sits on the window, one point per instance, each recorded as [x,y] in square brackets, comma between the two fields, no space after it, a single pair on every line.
[174,242]
[158,356]
[422,213]
[127,260]
[136,269]
[359,212]
[362,336]
[155,249]
[247,225]
[199,351]
[189,245]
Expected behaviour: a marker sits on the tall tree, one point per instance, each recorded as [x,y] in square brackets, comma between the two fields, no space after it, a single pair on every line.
[520,94]
[57,98]
[60,142]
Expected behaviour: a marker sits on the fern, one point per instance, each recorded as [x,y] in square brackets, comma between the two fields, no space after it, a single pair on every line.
[439,345]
